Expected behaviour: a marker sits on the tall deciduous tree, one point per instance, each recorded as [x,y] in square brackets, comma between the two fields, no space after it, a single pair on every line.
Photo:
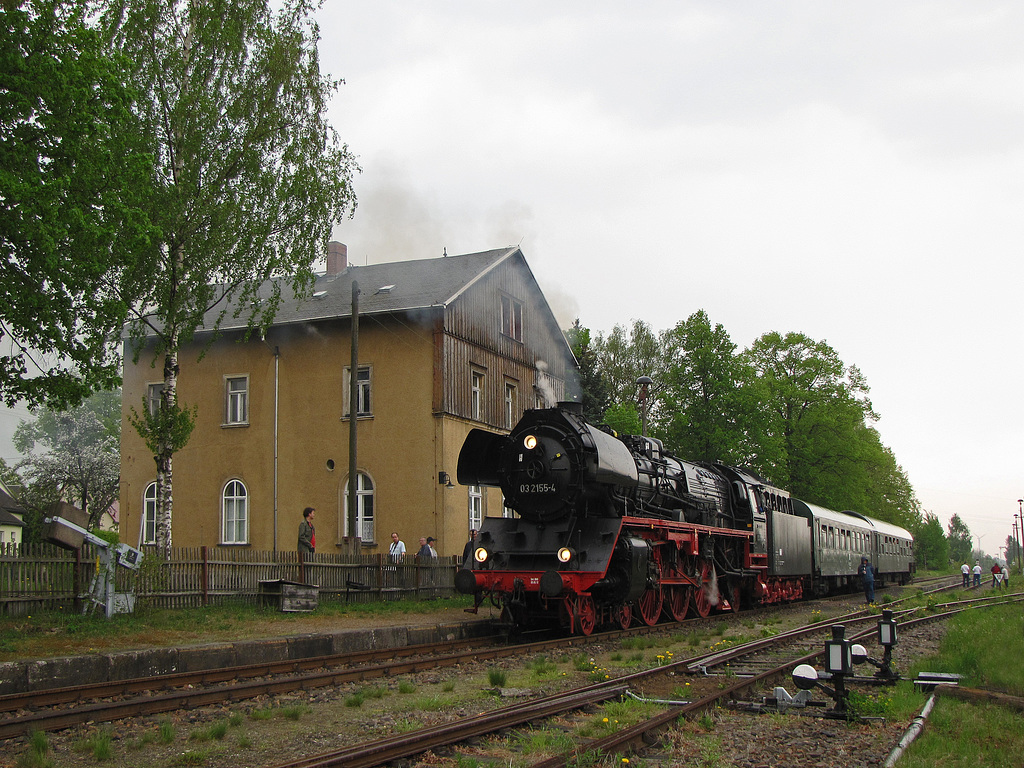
[960,545]
[250,178]
[594,394]
[931,549]
[809,401]
[701,411]
[74,186]
[625,355]
[80,460]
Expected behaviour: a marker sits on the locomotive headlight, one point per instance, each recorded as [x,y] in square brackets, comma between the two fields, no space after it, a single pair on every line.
[530,441]
[481,554]
[565,554]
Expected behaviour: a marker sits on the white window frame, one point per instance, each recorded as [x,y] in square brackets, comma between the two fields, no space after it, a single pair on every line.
[366,492]
[149,514]
[364,391]
[476,507]
[154,393]
[511,393]
[476,395]
[236,400]
[234,513]
[511,318]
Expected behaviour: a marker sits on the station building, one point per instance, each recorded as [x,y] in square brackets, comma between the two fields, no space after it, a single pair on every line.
[444,345]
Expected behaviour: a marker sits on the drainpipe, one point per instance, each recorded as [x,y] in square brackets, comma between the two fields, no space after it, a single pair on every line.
[277,390]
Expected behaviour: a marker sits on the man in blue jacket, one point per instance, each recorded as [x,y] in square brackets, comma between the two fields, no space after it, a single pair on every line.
[867,573]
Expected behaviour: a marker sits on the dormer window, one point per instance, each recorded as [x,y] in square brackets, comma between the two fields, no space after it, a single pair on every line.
[512,318]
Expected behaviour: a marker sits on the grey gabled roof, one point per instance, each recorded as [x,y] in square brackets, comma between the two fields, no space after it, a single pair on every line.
[398,286]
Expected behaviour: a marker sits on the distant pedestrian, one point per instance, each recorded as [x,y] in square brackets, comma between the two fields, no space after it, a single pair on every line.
[867,573]
[307,533]
[467,551]
[977,573]
[965,571]
[397,548]
[1006,577]
[424,551]
[997,575]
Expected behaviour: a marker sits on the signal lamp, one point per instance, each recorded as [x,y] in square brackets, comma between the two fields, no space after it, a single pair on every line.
[481,555]
[565,554]
[530,441]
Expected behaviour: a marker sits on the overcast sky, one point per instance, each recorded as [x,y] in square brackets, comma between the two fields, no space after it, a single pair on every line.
[850,171]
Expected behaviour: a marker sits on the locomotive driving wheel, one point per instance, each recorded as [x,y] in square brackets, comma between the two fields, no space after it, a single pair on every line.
[701,594]
[734,597]
[623,615]
[677,604]
[650,604]
[586,614]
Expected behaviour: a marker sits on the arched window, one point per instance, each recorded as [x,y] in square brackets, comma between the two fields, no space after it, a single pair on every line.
[364,507]
[149,515]
[234,513]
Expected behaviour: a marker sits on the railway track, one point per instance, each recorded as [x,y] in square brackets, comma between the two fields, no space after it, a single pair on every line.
[640,736]
[68,707]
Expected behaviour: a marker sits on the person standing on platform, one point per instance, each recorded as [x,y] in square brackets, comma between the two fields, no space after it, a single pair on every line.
[397,548]
[467,551]
[307,533]
[424,552]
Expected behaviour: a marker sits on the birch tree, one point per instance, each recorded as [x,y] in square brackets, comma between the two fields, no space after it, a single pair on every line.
[249,180]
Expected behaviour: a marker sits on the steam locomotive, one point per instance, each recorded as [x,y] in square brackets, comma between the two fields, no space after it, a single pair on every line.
[611,530]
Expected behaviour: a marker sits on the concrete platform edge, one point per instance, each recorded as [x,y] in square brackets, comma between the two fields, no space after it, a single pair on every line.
[67,671]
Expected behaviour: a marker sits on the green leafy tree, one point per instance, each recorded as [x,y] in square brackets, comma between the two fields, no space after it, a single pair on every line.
[810,405]
[1012,553]
[249,178]
[594,393]
[702,414]
[74,186]
[960,546]
[79,460]
[931,549]
[626,354]
[623,418]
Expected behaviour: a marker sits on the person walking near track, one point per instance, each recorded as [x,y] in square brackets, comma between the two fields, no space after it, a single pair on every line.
[867,573]
[965,571]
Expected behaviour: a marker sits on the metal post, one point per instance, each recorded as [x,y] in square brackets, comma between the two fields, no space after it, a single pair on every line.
[645,384]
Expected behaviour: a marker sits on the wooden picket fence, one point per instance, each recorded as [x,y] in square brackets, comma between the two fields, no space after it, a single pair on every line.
[45,577]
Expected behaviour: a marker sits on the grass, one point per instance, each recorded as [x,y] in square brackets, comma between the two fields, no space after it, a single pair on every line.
[986,646]
[60,633]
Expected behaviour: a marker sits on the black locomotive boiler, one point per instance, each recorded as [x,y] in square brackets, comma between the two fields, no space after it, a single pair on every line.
[611,530]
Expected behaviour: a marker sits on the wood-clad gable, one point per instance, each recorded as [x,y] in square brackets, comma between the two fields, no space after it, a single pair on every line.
[530,357]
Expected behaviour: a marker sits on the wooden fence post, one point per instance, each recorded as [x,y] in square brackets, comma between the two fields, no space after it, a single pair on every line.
[206,577]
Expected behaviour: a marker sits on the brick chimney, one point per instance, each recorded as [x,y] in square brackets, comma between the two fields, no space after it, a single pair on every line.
[337,257]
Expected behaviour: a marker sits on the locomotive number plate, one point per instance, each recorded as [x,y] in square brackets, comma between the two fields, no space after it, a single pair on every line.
[537,488]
